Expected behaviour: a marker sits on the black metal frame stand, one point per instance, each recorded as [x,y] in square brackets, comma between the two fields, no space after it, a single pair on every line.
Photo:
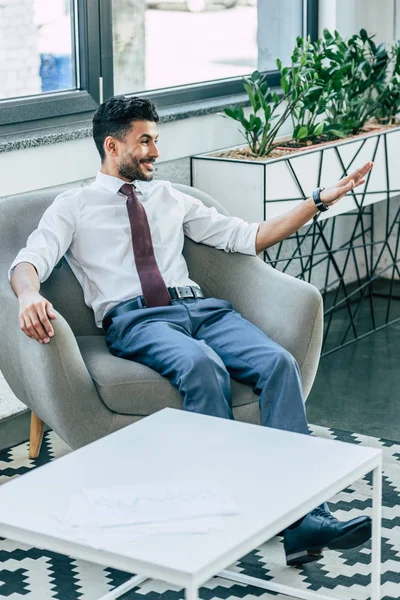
[314,253]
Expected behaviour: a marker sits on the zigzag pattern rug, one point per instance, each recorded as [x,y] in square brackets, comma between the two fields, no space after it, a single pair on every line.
[35,574]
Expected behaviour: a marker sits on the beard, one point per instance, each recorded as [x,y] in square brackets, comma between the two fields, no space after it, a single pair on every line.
[130,169]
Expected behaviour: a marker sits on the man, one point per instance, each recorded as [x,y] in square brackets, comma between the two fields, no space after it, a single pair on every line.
[122,237]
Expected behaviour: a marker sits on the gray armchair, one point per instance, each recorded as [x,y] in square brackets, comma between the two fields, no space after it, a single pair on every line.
[83,392]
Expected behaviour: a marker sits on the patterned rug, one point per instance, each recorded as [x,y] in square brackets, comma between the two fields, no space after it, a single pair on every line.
[35,574]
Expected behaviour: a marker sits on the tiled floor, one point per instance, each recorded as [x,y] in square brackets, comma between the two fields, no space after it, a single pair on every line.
[358,388]
[40,574]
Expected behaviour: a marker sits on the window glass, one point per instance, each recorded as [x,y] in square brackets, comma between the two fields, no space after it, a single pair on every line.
[167,44]
[37,47]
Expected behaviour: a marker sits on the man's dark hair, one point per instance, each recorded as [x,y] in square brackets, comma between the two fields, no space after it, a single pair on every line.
[114,117]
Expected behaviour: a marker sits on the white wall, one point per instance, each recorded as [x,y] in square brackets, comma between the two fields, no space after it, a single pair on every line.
[349,16]
[64,162]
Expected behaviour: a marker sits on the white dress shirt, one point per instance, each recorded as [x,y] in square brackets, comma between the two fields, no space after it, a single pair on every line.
[90,226]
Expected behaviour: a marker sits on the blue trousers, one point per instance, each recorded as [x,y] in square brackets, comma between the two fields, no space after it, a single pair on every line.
[199,344]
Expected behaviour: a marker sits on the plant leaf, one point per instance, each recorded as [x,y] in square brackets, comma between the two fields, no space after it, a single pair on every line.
[302,132]
[232,113]
[319,128]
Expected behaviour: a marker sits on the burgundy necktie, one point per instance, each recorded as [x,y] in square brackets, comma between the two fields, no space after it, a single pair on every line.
[153,286]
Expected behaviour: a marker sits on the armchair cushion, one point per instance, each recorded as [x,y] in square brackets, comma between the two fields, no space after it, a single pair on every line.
[115,378]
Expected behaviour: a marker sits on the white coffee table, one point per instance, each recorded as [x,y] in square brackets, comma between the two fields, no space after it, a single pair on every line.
[274,477]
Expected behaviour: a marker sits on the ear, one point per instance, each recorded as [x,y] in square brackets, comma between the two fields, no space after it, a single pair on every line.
[111,146]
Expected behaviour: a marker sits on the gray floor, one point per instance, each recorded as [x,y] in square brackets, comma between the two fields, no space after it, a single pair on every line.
[358,387]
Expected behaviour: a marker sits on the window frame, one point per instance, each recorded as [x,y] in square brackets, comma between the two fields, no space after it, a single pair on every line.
[69,102]
[95,58]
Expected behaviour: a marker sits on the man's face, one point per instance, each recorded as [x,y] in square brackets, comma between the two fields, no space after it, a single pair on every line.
[138,152]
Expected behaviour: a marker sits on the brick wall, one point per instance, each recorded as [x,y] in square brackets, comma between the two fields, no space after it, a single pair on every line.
[19,58]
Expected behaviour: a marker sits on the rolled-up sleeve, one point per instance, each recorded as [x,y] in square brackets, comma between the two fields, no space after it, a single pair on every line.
[49,242]
[208,226]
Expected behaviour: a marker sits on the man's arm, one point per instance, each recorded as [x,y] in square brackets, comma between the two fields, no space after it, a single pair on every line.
[279,228]
[34,310]
[205,225]
[34,264]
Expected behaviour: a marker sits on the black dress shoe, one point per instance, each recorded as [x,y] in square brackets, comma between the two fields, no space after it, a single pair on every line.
[320,529]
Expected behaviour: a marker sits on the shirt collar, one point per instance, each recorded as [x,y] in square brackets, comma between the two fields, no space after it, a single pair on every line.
[113,184]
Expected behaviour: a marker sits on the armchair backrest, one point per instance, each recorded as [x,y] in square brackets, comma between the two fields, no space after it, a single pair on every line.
[20,215]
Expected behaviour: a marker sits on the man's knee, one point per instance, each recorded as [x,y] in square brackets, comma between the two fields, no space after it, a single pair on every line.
[200,364]
[283,364]
[287,361]
[205,385]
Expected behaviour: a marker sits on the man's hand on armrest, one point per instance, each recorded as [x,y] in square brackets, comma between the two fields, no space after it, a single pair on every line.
[35,311]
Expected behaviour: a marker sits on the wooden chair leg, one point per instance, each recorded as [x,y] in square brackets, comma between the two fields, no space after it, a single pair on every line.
[36,436]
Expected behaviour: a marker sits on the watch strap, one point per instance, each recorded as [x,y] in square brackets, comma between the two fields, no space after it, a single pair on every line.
[317,199]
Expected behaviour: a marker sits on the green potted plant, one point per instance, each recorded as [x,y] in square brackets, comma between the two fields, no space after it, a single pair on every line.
[331,92]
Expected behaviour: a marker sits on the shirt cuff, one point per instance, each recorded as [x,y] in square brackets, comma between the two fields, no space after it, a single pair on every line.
[245,239]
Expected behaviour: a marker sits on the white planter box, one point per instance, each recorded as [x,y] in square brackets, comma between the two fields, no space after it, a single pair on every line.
[258,190]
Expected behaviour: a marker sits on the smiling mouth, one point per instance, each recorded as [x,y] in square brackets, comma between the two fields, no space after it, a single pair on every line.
[149,164]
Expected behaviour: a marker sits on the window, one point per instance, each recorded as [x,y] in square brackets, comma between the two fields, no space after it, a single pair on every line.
[65,56]
[191,41]
[38,39]
[183,50]
[50,58]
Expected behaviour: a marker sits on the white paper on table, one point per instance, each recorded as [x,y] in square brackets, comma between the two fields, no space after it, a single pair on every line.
[121,536]
[147,503]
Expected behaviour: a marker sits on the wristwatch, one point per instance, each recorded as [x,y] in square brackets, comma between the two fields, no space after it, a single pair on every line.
[317,199]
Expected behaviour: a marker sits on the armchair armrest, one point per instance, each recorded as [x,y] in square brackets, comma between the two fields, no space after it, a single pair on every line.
[52,379]
[288,310]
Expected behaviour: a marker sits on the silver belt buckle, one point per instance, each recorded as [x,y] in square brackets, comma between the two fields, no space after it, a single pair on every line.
[177,292]
[187,293]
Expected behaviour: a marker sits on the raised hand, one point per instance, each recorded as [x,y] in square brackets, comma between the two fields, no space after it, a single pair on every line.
[333,194]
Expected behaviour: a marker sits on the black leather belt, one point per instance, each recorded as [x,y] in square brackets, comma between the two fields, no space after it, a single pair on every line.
[175,293]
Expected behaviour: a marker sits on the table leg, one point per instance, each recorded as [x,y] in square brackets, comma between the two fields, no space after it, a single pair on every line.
[192,593]
[376,533]
[375,557]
